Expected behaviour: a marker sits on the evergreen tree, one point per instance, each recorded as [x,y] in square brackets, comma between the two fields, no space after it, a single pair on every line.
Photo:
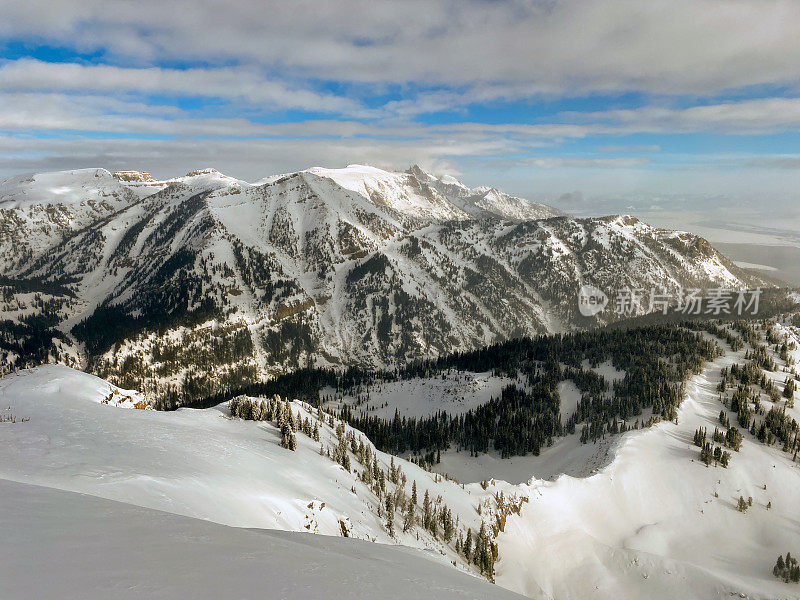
[742,505]
[390,515]
[706,453]
[288,440]
[468,546]
[447,524]
[733,439]
[427,515]
[408,522]
[779,566]
[787,569]
[788,389]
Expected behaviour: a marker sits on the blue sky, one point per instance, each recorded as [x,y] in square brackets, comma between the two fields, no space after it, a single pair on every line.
[600,105]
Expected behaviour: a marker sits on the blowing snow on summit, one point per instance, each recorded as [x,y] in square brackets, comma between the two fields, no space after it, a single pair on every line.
[528,329]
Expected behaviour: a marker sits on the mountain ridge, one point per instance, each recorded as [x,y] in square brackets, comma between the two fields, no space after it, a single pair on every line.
[210,280]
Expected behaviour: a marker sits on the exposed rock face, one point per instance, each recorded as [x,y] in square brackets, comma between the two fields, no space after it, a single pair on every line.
[133,176]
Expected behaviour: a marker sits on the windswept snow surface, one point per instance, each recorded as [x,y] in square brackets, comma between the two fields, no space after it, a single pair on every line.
[197,463]
[567,456]
[69,546]
[203,464]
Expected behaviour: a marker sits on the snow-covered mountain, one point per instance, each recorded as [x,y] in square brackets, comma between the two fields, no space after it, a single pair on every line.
[201,281]
[483,201]
[436,198]
[641,516]
[38,211]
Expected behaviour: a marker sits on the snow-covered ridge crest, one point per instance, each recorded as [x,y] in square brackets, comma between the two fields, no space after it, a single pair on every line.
[415,193]
[483,201]
[205,179]
[79,186]
[419,193]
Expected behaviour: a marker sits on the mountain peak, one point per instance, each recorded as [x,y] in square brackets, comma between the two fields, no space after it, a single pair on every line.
[133,176]
[417,172]
[425,176]
[417,193]
[204,171]
[622,220]
[353,171]
[399,191]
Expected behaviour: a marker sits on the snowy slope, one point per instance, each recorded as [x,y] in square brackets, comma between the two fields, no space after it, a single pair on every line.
[641,520]
[70,188]
[649,524]
[454,393]
[203,464]
[635,515]
[58,544]
[400,191]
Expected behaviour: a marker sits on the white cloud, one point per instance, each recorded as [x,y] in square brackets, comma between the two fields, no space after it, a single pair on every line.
[232,83]
[745,117]
[254,58]
[506,49]
[631,148]
[779,161]
[76,108]
[557,162]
